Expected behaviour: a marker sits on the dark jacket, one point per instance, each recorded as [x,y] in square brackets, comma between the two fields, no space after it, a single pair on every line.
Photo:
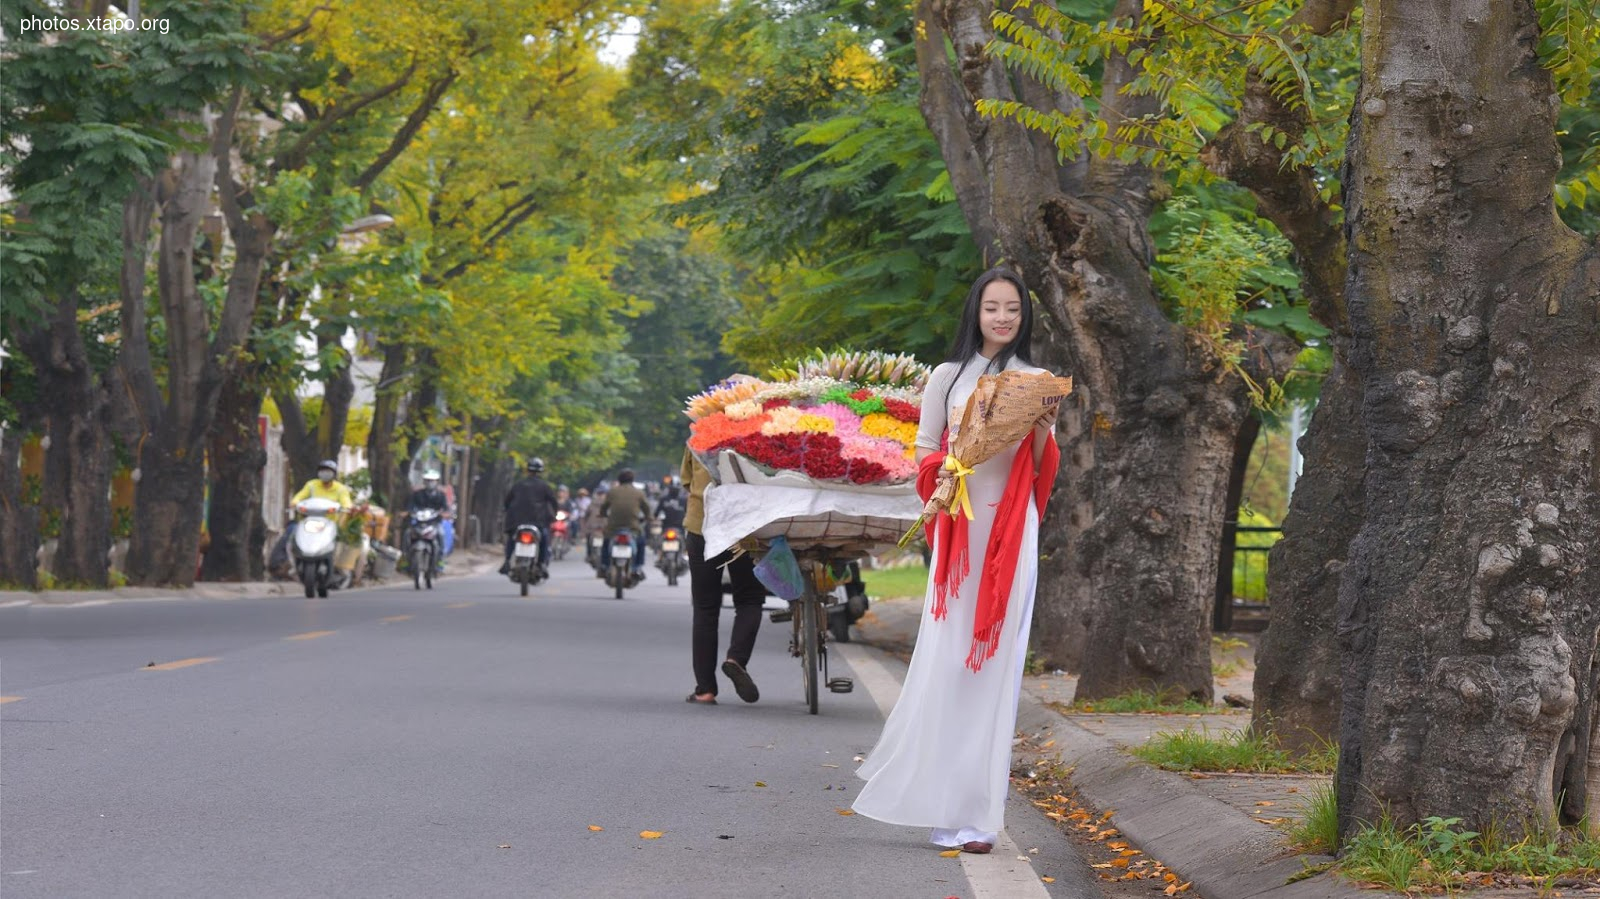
[429,499]
[625,507]
[672,507]
[530,501]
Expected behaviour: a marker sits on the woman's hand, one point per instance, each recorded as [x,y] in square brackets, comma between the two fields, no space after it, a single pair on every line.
[1047,420]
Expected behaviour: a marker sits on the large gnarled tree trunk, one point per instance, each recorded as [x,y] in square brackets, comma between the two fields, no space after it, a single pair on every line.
[237,459]
[169,505]
[1131,542]
[1468,609]
[77,474]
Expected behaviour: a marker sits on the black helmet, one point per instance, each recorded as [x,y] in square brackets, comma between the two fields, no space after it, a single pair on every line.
[535,465]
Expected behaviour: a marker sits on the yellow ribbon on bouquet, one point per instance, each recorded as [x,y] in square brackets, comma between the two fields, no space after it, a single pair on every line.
[962,500]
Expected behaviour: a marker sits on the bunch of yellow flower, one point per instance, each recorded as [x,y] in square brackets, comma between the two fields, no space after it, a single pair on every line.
[880,424]
[791,420]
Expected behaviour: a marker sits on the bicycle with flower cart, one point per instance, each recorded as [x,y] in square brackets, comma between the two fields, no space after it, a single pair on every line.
[805,535]
[812,469]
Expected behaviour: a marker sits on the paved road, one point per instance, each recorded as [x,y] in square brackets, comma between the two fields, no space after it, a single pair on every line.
[463,742]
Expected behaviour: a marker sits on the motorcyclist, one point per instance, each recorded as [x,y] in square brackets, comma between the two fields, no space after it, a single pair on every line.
[530,501]
[323,486]
[674,503]
[594,523]
[431,497]
[625,508]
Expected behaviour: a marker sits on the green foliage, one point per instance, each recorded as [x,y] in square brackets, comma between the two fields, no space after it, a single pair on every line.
[85,115]
[827,186]
[1143,702]
[1439,853]
[901,581]
[1317,831]
[1240,750]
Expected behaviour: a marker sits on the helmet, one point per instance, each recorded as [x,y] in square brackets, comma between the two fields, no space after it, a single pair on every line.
[330,467]
[430,475]
[535,465]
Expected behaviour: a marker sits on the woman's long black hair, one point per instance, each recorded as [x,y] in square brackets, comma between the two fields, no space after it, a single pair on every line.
[969,336]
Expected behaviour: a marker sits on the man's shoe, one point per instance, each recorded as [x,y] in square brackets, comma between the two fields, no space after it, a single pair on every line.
[506,568]
[742,683]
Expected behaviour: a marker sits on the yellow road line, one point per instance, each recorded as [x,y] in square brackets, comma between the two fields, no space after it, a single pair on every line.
[394,618]
[181,663]
[460,605]
[6,699]
[309,635]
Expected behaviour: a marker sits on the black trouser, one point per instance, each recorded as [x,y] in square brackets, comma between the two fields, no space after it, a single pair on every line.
[705,590]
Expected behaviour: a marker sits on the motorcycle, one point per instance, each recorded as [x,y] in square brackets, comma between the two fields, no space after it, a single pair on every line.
[560,537]
[619,574]
[424,546]
[316,541]
[525,568]
[593,550]
[670,557]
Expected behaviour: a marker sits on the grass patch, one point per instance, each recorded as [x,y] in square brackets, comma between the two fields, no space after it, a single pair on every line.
[1438,853]
[1225,669]
[1143,701]
[1243,750]
[1318,832]
[905,580]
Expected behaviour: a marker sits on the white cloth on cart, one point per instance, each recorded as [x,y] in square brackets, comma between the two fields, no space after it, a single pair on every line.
[817,514]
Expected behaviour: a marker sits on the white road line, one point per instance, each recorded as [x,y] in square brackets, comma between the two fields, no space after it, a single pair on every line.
[1005,873]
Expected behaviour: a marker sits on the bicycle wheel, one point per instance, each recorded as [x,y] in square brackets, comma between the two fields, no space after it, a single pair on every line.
[810,640]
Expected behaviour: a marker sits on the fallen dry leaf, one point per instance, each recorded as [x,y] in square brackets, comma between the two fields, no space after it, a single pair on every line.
[844,811]
[650,834]
[596,828]
[1119,863]
[1048,879]
[761,783]
[1264,803]
[504,846]
[950,853]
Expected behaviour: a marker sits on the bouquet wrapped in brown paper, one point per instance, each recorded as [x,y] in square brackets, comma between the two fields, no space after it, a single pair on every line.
[1002,410]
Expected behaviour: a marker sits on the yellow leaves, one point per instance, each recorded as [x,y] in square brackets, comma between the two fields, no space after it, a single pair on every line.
[1173,889]
[596,828]
[761,783]
[950,853]
[650,834]
[844,811]
[1047,879]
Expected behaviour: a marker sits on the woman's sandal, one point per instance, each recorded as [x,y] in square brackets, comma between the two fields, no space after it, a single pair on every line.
[977,848]
[742,684]
[692,698]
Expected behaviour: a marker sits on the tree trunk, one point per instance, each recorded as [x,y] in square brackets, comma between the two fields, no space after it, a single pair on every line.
[169,504]
[305,443]
[1130,545]
[77,478]
[237,460]
[381,462]
[19,534]
[1244,444]
[488,496]
[1467,611]
[1297,663]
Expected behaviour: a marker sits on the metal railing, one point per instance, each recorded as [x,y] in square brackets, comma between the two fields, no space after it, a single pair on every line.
[1244,588]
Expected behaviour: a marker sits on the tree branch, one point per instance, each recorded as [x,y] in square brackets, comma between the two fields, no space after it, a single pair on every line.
[408,131]
[946,108]
[296,155]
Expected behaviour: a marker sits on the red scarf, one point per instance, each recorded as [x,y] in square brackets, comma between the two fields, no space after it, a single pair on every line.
[954,561]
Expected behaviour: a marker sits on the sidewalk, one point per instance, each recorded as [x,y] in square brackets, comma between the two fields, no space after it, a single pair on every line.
[1223,832]
[465,563]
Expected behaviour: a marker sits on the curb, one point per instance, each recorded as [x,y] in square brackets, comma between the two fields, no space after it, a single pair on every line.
[215,590]
[1224,852]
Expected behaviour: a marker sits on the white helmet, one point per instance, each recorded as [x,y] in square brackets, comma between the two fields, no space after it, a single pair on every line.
[430,475]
